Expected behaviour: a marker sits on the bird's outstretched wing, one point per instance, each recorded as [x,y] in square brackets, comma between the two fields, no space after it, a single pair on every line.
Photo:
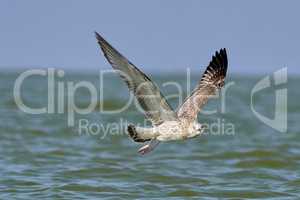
[151,100]
[211,81]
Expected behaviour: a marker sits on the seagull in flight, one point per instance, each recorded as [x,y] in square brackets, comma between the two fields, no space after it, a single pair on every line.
[167,124]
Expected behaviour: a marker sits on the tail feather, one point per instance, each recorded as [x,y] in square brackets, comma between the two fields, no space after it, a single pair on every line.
[135,135]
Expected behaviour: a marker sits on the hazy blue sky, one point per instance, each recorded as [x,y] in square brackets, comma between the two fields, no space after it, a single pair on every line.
[261,36]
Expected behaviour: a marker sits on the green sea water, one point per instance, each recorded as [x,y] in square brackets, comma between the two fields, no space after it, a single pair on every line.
[41,157]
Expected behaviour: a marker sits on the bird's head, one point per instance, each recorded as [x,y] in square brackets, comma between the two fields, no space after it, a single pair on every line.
[197,126]
[197,129]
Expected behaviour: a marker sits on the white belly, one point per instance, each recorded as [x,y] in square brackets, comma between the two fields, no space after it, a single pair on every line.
[170,130]
[174,130]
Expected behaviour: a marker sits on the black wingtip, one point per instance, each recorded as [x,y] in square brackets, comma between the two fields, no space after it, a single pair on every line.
[219,62]
[98,36]
[223,52]
[225,59]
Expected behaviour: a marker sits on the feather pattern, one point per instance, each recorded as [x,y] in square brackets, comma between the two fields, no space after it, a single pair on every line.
[155,106]
[211,81]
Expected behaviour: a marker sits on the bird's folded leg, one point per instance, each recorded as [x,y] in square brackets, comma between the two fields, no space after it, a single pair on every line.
[148,147]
